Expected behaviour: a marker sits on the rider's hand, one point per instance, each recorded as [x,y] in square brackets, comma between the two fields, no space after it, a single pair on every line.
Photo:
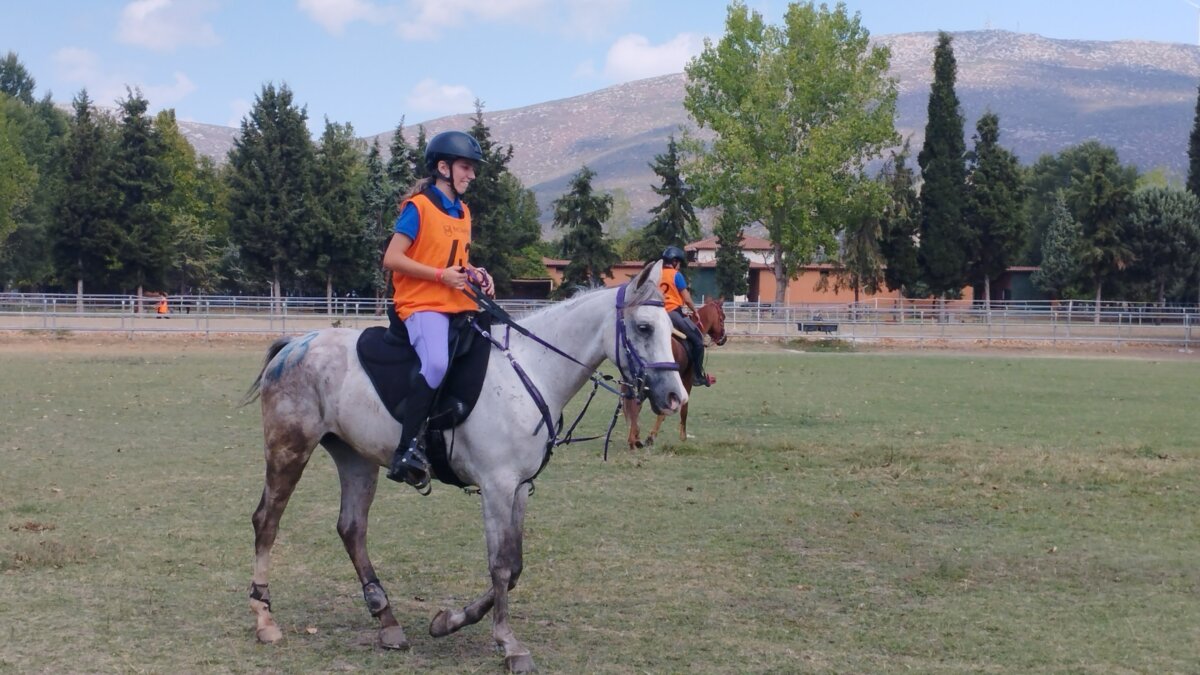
[455,277]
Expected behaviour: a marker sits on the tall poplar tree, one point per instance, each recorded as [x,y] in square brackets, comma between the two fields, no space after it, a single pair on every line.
[994,212]
[674,221]
[272,212]
[17,177]
[733,268]
[798,111]
[946,244]
[581,212]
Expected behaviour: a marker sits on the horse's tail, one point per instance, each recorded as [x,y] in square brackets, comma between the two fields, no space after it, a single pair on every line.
[256,388]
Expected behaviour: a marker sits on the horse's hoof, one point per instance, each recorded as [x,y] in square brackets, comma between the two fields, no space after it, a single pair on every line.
[393,637]
[650,442]
[440,626]
[639,445]
[520,663]
[269,635]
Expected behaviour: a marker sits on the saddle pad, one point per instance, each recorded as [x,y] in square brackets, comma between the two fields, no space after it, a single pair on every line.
[391,364]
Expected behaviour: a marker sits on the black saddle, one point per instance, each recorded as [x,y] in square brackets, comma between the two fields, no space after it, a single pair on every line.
[392,365]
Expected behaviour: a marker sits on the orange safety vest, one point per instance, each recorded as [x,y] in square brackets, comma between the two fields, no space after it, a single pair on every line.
[442,241]
[162,307]
[672,299]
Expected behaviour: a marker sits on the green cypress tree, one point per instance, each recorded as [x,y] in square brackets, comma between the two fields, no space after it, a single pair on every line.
[945,242]
[674,221]
[140,173]
[270,189]
[1193,152]
[419,167]
[900,224]
[344,252]
[499,230]
[401,165]
[732,266]
[581,212]
[995,195]
[379,213]
[83,241]
[1061,268]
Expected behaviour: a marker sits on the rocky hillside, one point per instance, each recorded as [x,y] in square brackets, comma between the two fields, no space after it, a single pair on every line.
[1138,97]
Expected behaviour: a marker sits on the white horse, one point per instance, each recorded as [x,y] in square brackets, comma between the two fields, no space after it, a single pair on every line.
[314,392]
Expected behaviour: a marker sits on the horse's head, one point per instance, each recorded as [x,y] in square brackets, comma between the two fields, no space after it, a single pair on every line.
[712,315]
[643,344]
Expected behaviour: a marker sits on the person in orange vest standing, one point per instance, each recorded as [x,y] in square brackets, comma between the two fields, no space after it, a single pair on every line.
[163,309]
[675,296]
[427,258]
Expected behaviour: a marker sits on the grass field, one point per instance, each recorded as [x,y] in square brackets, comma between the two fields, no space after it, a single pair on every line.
[834,512]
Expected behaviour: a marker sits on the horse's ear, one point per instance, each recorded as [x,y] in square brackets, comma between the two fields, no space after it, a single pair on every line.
[645,283]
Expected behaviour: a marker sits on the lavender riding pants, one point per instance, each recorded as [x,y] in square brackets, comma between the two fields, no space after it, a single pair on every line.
[429,334]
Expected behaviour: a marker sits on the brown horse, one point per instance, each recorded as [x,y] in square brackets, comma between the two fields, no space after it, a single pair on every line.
[712,322]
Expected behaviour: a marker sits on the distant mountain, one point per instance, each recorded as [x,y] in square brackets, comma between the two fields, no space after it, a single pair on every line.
[1138,97]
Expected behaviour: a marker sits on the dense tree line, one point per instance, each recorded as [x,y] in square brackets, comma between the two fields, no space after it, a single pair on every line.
[803,146]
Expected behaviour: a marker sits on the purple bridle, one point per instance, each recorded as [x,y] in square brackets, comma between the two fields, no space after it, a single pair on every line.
[639,367]
[623,345]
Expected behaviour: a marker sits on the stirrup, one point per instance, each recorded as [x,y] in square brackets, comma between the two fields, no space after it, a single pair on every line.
[413,468]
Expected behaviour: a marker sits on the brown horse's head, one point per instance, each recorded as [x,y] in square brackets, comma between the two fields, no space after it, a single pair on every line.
[712,316]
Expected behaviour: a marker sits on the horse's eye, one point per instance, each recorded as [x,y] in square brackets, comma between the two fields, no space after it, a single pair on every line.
[645,328]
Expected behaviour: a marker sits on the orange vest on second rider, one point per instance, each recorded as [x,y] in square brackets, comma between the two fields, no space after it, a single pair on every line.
[672,300]
[442,241]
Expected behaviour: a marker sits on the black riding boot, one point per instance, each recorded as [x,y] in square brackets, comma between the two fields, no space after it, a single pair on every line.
[699,374]
[409,464]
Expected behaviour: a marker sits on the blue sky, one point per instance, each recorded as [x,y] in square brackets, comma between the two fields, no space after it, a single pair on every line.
[369,62]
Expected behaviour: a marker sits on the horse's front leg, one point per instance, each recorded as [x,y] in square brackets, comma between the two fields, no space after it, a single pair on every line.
[503,521]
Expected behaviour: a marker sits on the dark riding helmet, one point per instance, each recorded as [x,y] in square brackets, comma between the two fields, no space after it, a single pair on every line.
[449,145]
[674,253]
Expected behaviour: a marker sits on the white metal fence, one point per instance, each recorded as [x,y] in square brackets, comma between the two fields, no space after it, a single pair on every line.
[891,320]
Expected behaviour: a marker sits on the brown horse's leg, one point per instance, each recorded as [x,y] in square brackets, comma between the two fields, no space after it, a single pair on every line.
[504,521]
[288,448]
[680,353]
[359,477]
[631,407]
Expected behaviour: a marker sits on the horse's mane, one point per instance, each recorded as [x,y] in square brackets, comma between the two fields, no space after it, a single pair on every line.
[582,296]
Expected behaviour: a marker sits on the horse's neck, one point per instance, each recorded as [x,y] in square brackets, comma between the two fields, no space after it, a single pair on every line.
[577,328]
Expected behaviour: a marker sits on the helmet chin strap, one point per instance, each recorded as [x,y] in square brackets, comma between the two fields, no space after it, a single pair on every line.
[449,179]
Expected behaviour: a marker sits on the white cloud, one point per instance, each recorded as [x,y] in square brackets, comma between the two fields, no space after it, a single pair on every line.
[431,97]
[82,68]
[164,25]
[428,18]
[632,57]
[335,15]
[167,95]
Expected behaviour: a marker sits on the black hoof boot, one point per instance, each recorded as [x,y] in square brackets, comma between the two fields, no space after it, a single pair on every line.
[412,467]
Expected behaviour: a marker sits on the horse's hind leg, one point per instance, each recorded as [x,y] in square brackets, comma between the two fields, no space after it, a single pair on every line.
[359,478]
[287,452]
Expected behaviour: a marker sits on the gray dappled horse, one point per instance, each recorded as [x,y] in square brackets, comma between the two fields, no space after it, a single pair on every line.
[314,392]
